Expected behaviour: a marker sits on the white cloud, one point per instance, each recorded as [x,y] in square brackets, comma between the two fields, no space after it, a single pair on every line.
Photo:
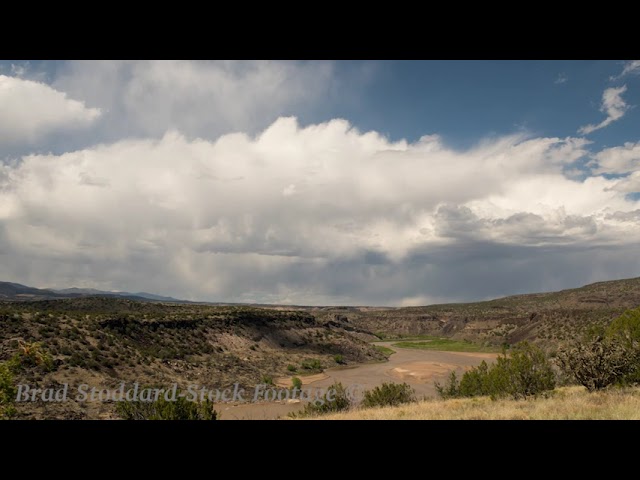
[562,78]
[303,215]
[612,105]
[617,160]
[628,184]
[631,66]
[198,98]
[18,70]
[31,109]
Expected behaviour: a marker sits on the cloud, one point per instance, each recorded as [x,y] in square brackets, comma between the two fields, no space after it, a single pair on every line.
[629,184]
[29,110]
[199,98]
[617,160]
[612,105]
[562,78]
[631,66]
[320,214]
[18,70]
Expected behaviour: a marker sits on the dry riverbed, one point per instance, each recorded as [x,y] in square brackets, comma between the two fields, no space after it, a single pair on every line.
[418,368]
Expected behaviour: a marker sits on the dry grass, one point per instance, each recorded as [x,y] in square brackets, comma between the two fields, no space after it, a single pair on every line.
[569,403]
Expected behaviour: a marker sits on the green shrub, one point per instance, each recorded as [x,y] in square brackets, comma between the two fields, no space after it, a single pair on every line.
[525,372]
[336,399]
[292,368]
[339,359]
[598,363]
[626,327]
[389,394]
[479,381]
[267,379]
[161,409]
[296,383]
[450,389]
[31,355]
[7,392]
[311,364]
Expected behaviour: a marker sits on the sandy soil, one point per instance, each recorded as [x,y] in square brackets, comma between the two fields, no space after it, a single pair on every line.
[418,368]
[306,379]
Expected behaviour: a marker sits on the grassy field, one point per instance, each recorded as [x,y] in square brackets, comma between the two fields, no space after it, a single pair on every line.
[568,403]
[444,344]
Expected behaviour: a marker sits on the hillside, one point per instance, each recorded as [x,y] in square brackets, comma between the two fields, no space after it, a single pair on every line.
[104,341]
[16,291]
[547,318]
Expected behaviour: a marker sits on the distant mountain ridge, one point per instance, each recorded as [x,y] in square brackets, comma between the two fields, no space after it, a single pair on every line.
[93,291]
[18,292]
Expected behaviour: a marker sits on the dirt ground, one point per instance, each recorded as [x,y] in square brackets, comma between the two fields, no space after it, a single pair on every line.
[418,368]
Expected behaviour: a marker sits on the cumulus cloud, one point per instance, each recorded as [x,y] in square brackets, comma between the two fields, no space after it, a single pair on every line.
[198,98]
[617,160]
[31,109]
[613,106]
[628,184]
[321,214]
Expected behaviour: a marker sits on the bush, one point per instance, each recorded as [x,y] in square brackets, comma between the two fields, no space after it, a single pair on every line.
[336,399]
[389,394]
[451,388]
[291,368]
[598,363]
[296,383]
[161,409]
[32,355]
[525,372]
[339,359]
[267,379]
[480,381]
[312,364]
[7,392]
[626,327]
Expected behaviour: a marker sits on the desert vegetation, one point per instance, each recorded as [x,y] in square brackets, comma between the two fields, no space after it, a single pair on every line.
[523,372]
[162,409]
[388,395]
[564,403]
[602,370]
[106,341]
[587,337]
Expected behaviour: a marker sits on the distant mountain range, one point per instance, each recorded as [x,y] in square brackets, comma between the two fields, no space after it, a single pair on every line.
[17,292]
[93,291]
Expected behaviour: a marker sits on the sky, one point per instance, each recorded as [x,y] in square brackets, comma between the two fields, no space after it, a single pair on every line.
[320,182]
